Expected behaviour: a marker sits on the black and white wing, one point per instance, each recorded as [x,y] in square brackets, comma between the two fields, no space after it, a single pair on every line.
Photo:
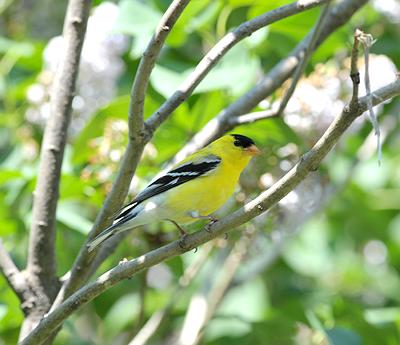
[185,172]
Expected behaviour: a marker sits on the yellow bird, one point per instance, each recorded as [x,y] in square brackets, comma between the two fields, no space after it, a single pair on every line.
[195,188]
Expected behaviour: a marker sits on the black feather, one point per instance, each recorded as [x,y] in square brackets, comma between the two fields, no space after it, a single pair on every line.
[242,141]
[171,179]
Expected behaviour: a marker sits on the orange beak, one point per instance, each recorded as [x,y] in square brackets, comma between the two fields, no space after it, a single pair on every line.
[253,150]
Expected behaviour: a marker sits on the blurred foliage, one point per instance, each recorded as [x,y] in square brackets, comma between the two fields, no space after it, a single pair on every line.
[335,277]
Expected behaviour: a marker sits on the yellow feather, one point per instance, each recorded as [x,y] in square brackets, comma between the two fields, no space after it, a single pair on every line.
[206,194]
[201,196]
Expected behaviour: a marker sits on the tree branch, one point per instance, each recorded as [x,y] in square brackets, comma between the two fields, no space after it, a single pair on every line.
[12,274]
[187,87]
[138,138]
[314,35]
[308,163]
[253,117]
[354,73]
[218,51]
[141,133]
[41,267]
[223,122]
[270,113]
[147,63]
[41,260]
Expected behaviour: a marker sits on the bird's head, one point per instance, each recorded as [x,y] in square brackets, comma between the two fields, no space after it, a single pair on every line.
[244,144]
[236,148]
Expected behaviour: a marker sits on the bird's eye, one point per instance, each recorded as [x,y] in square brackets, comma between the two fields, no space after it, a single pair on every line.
[236,143]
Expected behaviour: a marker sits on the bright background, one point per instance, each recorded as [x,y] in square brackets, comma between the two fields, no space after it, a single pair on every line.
[320,268]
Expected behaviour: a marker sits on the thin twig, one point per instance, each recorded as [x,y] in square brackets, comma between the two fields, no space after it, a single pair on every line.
[354,73]
[219,50]
[142,300]
[367,41]
[315,33]
[147,63]
[270,114]
[222,123]
[253,117]
[12,274]
[308,163]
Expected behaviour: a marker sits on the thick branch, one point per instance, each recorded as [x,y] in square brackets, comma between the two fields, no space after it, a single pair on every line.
[223,122]
[137,140]
[308,163]
[41,259]
[41,268]
[219,50]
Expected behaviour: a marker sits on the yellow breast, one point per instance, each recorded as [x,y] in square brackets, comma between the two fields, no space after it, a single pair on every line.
[203,195]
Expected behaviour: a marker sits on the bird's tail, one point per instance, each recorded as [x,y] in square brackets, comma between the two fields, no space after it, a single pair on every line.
[100,238]
[121,223]
[105,234]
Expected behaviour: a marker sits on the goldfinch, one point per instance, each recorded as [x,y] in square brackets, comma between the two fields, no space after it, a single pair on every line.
[195,188]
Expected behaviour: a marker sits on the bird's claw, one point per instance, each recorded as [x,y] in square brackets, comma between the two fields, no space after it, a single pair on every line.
[181,242]
[213,220]
[181,230]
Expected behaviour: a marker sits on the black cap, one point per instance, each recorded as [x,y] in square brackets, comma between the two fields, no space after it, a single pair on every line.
[242,141]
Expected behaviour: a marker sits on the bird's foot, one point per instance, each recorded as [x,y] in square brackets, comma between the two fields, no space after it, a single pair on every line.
[181,241]
[213,220]
[180,229]
[183,245]
[183,233]
[196,215]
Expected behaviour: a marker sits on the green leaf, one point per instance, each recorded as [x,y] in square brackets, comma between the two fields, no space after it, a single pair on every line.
[236,72]
[137,19]
[116,109]
[121,314]
[223,326]
[310,254]
[342,336]
[386,199]
[8,175]
[195,17]
[383,315]
[70,214]
[252,294]
[15,49]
